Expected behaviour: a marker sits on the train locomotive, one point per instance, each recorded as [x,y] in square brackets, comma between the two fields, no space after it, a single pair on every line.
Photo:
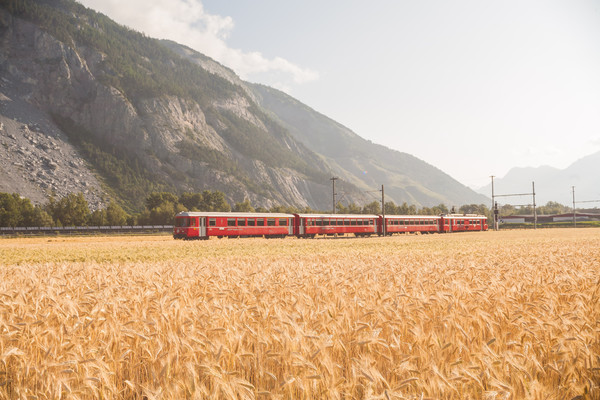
[204,225]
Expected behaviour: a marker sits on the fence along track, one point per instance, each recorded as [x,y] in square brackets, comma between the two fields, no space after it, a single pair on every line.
[83,230]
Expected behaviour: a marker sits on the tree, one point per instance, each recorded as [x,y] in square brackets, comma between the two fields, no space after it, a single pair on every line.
[480,209]
[390,208]
[553,207]
[115,215]
[10,213]
[19,211]
[244,206]
[440,209]
[191,201]
[214,201]
[71,210]
[156,199]
[340,208]
[353,209]
[372,208]
[98,218]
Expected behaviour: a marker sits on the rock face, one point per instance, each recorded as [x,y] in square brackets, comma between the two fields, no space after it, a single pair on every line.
[36,159]
[45,77]
[154,115]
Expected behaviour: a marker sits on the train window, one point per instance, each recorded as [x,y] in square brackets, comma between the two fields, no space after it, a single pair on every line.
[319,222]
[230,221]
[282,221]
[353,222]
[212,222]
[347,222]
[271,221]
[251,222]
[260,222]
[180,221]
[241,222]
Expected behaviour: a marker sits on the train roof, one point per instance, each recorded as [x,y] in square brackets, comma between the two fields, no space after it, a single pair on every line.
[464,216]
[233,214]
[362,216]
[412,216]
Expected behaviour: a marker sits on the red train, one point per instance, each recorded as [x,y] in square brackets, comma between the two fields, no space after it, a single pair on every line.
[203,225]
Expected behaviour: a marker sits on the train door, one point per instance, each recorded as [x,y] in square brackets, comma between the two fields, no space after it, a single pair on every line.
[301,224]
[290,222]
[202,227]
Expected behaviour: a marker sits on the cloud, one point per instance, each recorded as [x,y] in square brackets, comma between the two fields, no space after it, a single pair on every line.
[186,22]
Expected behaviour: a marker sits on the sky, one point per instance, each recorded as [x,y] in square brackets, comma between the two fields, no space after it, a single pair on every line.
[473,87]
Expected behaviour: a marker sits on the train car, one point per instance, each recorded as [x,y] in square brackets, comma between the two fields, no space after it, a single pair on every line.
[410,224]
[462,223]
[203,225]
[310,225]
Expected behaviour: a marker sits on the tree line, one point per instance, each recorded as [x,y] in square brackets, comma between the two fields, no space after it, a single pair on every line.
[161,207]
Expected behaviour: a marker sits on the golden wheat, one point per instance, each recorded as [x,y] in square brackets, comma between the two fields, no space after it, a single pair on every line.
[494,315]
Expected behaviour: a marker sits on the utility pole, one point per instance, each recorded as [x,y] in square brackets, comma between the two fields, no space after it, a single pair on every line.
[494,204]
[383,211]
[574,214]
[534,210]
[333,179]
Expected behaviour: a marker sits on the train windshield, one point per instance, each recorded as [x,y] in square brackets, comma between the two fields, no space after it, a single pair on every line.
[182,221]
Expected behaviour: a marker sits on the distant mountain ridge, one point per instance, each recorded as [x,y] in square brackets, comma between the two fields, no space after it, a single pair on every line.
[552,184]
[88,105]
[361,162]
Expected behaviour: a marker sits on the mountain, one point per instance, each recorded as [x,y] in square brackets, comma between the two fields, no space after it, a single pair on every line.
[363,163]
[552,184]
[87,105]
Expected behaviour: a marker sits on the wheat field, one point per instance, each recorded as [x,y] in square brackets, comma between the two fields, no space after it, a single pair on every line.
[491,315]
